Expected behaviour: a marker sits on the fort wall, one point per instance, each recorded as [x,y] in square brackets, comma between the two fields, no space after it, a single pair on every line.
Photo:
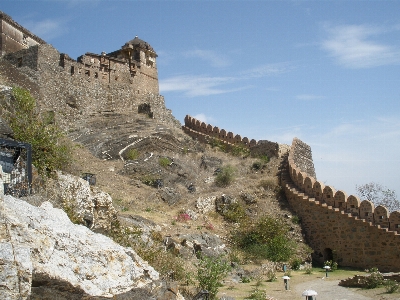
[336,225]
[14,37]
[205,133]
[74,89]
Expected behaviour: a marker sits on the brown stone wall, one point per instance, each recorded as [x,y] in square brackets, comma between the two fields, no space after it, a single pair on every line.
[205,133]
[75,89]
[14,37]
[355,233]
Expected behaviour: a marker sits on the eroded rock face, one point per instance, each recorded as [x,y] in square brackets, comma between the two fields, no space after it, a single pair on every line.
[40,245]
[89,205]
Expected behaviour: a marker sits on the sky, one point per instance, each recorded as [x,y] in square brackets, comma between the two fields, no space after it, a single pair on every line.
[326,72]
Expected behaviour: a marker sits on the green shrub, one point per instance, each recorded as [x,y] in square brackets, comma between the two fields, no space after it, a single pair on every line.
[374,280]
[210,272]
[240,151]
[257,166]
[164,162]
[296,220]
[132,154]
[257,294]
[235,213]
[216,143]
[391,286]
[264,158]
[332,264]
[50,151]
[266,239]
[295,264]
[225,177]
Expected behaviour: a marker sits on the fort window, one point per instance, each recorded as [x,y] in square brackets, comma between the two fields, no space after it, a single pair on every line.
[72,70]
[397,225]
[381,217]
[96,75]
[87,72]
[19,63]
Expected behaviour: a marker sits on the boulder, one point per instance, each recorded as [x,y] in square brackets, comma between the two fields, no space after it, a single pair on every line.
[42,250]
[85,204]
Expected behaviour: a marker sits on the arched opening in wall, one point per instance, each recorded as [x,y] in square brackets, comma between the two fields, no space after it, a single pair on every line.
[328,254]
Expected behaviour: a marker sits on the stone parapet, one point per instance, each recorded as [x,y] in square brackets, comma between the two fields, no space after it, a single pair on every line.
[338,226]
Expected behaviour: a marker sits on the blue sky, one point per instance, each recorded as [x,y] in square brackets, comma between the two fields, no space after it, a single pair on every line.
[326,72]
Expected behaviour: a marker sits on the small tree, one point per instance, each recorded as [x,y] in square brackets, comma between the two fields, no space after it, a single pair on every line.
[379,195]
[210,272]
[225,177]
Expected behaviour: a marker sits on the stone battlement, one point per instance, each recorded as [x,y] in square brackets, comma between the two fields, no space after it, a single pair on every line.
[205,133]
[354,231]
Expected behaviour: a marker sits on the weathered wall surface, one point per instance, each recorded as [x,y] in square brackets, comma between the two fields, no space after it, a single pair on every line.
[335,224]
[205,133]
[14,37]
[76,95]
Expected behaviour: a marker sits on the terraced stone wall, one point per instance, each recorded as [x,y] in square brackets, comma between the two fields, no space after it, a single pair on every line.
[336,225]
[205,133]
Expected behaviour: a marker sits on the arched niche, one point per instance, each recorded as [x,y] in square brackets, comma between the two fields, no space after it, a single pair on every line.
[318,189]
[394,221]
[308,186]
[340,200]
[353,205]
[381,216]
[367,210]
[328,195]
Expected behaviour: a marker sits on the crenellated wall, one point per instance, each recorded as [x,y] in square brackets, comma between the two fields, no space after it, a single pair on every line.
[336,225]
[205,133]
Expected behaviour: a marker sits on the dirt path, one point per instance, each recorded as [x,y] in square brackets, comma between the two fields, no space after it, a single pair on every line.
[329,290]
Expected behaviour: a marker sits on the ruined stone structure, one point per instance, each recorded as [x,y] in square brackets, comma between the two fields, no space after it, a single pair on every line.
[336,225]
[123,81]
[205,133]
[14,37]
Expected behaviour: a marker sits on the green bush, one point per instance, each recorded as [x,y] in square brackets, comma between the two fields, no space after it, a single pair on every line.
[225,177]
[266,239]
[391,286]
[332,264]
[374,280]
[164,162]
[240,151]
[210,272]
[235,213]
[269,183]
[295,264]
[132,154]
[50,151]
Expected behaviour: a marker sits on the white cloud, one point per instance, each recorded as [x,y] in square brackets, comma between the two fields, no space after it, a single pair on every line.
[215,59]
[354,47]
[267,70]
[47,29]
[309,97]
[194,86]
[203,118]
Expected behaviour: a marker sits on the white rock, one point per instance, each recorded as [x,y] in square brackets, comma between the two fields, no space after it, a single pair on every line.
[44,241]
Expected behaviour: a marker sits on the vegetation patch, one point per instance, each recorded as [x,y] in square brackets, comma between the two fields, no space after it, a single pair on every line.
[50,151]
[225,177]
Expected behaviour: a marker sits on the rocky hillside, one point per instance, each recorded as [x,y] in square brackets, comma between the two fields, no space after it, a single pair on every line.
[169,197]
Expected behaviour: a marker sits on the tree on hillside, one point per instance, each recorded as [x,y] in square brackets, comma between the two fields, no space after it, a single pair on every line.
[379,195]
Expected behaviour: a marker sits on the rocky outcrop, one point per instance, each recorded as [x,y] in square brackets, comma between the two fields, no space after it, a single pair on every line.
[85,204]
[41,248]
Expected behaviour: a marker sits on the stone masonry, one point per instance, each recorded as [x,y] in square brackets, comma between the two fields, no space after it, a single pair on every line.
[338,226]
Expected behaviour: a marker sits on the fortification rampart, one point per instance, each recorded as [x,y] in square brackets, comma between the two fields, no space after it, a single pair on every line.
[74,90]
[338,226]
[205,133]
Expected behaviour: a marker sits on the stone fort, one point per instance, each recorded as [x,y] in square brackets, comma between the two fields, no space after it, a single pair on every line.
[123,81]
[336,225]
